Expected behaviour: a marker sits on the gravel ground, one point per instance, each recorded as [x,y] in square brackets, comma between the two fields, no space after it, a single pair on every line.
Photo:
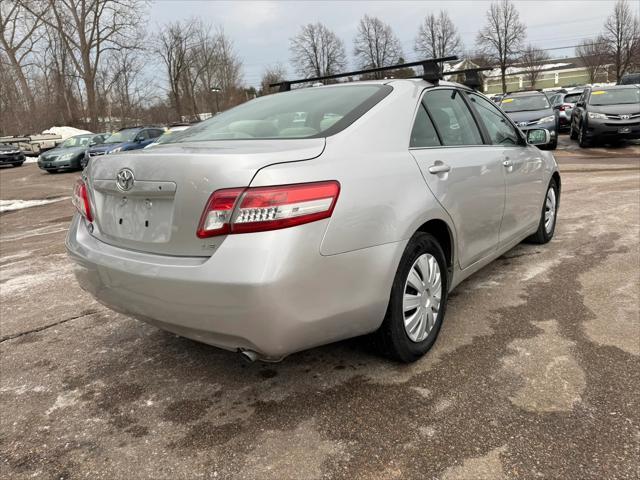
[535,373]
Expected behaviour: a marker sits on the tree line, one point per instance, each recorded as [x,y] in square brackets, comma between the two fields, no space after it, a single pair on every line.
[89,63]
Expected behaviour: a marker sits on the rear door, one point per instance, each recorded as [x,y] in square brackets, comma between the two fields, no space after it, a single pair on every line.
[465,175]
[522,165]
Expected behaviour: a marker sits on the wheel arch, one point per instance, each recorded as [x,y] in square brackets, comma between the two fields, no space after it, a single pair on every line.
[443,233]
[556,176]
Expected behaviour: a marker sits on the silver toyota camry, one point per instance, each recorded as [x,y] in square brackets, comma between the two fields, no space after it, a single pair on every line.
[314,215]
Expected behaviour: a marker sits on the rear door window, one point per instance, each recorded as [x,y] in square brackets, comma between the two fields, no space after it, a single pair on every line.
[452,118]
[423,133]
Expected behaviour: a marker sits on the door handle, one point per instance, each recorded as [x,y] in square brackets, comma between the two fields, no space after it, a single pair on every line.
[507,163]
[439,168]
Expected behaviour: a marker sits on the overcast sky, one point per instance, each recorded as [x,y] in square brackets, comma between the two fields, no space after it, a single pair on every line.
[261,30]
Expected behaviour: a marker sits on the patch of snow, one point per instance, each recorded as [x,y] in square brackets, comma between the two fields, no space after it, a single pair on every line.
[65,132]
[11,205]
[513,70]
[65,400]
[15,280]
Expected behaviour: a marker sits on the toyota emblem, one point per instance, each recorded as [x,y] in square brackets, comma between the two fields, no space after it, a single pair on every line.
[624,117]
[125,179]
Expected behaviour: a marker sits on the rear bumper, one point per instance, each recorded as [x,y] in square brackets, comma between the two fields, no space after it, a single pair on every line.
[271,292]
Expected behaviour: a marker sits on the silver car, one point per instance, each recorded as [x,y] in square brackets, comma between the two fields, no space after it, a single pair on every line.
[261,234]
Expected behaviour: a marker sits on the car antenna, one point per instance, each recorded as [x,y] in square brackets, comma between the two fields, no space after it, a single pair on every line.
[431,72]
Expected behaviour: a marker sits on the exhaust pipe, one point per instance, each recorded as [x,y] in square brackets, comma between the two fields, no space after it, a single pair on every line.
[249,355]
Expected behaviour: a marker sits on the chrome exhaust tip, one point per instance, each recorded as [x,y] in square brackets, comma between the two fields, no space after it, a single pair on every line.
[249,355]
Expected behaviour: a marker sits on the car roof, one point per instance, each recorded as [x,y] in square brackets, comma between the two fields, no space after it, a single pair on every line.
[615,87]
[526,94]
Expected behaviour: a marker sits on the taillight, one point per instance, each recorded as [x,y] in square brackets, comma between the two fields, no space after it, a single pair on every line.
[267,208]
[216,217]
[81,200]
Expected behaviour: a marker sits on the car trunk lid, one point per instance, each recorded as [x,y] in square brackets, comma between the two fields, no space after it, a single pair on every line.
[163,191]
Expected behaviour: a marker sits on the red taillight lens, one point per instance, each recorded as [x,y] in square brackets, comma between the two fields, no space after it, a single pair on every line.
[216,217]
[81,200]
[267,208]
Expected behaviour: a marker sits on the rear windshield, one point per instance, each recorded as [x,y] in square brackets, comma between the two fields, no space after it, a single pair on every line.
[302,113]
[615,97]
[572,97]
[122,136]
[525,103]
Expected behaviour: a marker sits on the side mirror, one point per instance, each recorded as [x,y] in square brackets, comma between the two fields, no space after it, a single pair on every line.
[538,136]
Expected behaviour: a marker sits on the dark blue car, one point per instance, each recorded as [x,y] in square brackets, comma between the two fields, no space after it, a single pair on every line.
[126,139]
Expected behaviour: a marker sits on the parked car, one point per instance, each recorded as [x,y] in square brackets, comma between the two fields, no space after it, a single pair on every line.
[265,237]
[532,110]
[564,103]
[606,114]
[632,78]
[11,155]
[70,154]
[168,135]
[126,139]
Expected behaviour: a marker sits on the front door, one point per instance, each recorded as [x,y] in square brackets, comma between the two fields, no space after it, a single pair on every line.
[523,170]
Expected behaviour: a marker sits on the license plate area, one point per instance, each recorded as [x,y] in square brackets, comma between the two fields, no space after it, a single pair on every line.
[136,218]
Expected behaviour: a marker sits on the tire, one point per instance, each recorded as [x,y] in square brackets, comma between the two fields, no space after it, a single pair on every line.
[583,141]
[392,338]
[544,234]
[18,164]
[553,145]
[572,133]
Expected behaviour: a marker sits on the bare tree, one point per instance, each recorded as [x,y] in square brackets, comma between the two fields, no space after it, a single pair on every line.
[594,57]
[502,36]
[272,74]
[89,29]
[173,44]
[316,51]
[622,37]
[438,36]
[20,31]
[376,45]
[533,61]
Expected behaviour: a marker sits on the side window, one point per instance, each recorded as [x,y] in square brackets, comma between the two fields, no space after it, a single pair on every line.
[500,129]
[453,120]
[423,133]
[155,133]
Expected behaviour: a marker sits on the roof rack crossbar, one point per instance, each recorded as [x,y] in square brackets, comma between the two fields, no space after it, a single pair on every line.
[471,76]
[430,65]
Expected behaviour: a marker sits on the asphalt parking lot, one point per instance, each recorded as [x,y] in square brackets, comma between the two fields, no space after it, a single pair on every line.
[536,372]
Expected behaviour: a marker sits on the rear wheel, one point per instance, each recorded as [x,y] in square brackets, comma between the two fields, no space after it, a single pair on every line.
[18,164]
[417,302]
[547,225]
